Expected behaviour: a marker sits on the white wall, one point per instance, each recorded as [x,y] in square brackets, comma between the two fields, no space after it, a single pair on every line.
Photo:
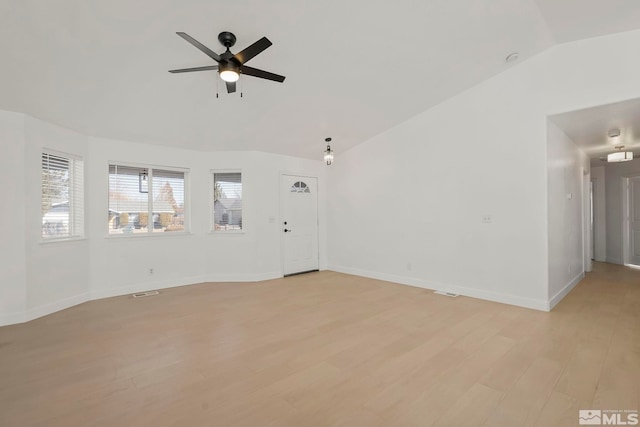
[407,205]
[614,194]
[12,219]
[598,181]
[566,165]
[57,273]
[38,278]
[121,265]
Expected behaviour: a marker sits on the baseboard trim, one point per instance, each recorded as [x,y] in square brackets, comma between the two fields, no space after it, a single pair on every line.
[565,291]
[52,307]
[45,309]
[143,287]
[259,277]
[468,292]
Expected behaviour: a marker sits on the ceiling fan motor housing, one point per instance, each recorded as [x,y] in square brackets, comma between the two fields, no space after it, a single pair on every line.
[227,39]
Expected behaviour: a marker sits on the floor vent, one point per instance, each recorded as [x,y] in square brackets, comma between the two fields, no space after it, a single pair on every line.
[446,294]
[145,294]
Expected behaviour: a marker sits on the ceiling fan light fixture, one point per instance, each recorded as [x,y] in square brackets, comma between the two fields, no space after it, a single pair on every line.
[229,75]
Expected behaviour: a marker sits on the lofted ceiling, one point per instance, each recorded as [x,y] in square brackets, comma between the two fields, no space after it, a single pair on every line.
[353,69]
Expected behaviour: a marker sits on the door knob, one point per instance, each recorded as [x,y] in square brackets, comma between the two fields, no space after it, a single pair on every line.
[287,231]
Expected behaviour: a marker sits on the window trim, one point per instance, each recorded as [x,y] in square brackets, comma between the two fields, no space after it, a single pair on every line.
[212,224]
[150,168]
[82,235]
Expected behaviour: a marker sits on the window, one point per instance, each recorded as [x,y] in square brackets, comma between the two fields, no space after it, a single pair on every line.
[300,187]
[146,200]
[227,201]
[62,196]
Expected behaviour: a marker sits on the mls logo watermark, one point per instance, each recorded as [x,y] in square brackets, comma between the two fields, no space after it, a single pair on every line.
[590,417]
[608,417]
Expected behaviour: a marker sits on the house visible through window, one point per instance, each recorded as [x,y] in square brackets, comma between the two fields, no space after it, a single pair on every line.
[227,201]
[62,201]
[146,200]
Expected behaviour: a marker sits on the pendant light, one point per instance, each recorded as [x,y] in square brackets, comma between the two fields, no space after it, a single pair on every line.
[328,153]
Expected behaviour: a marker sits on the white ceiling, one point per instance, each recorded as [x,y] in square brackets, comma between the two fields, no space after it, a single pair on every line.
[580,19]
[589,128]
[354,69]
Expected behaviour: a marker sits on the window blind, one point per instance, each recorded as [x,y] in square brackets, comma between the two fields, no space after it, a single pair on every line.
[128,199]
[62,201]
[168,200]
[227,201]
[145,200]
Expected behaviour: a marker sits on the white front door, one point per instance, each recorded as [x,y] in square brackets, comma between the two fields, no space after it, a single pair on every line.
[299,223]
[634,220]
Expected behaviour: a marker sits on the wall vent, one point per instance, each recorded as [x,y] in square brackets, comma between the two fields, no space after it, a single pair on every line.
[145,294]
[447,294]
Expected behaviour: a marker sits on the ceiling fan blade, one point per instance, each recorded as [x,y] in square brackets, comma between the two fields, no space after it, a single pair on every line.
[188,70]
[255,72]
[211,54]
[252,50]
[231,87]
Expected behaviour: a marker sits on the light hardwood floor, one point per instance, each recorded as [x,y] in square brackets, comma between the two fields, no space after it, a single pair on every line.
[325,349]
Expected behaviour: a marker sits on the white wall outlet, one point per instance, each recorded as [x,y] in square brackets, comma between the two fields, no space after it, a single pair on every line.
[569,196]
[487,219]
[150,271]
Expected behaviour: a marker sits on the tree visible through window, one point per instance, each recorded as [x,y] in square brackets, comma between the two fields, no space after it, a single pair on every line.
[145,200]
[62,200]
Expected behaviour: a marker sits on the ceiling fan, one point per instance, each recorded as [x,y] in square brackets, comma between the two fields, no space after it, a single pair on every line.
[230,66]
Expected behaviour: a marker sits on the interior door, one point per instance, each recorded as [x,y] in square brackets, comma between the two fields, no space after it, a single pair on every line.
[299,223]
[634,220]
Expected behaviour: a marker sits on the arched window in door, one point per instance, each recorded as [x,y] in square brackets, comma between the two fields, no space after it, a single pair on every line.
[300,187]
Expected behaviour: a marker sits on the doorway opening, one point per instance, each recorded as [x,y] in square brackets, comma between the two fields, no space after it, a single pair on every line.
[631,220]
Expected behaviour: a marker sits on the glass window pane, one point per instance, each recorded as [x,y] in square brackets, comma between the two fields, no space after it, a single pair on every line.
[227,201]
[128,206]
[62,196]
[168,201]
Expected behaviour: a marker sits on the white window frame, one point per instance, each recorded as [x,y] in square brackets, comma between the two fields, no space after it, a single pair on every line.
[79,232]
[150,168]
[212,221]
